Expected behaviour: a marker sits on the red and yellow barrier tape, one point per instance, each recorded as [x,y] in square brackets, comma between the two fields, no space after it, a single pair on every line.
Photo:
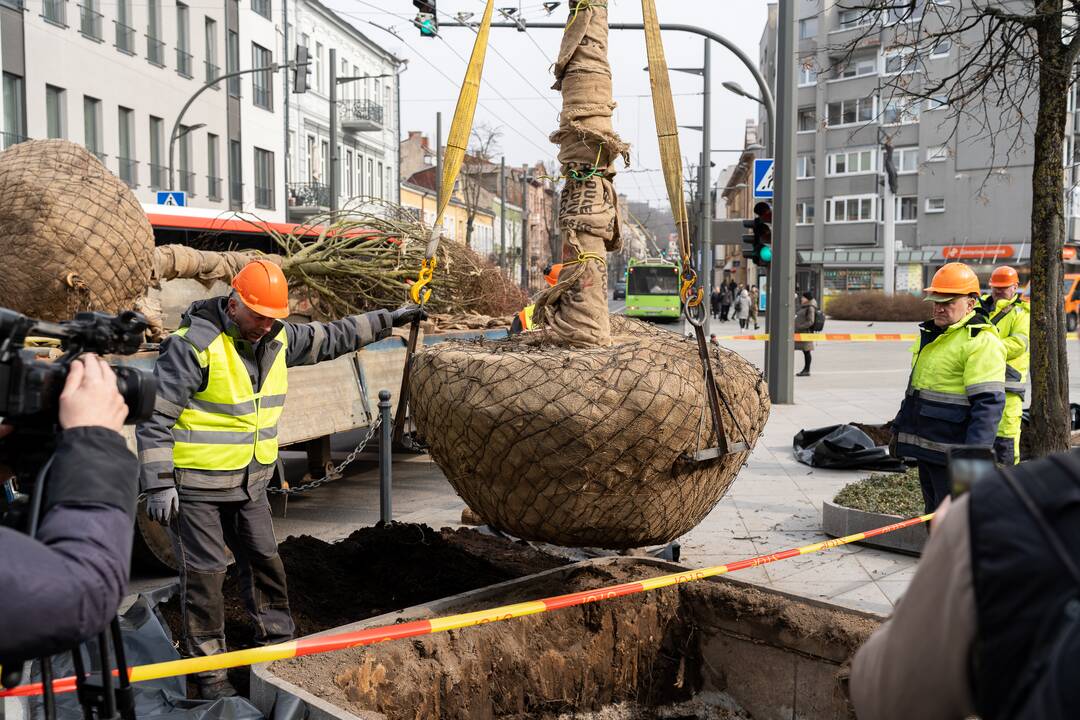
[370,636]
[830,337]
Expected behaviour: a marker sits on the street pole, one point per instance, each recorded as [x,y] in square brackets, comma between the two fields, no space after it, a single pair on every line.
[781,352]
[502,213]
[706,188]
[525,227]
[334,175]
[438,162]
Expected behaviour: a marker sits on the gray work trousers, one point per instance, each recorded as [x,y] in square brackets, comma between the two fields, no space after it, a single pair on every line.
[201,532]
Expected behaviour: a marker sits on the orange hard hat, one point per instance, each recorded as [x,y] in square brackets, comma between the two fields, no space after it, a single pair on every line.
[954,278]
[1004,276]
[262,287]
[551,275]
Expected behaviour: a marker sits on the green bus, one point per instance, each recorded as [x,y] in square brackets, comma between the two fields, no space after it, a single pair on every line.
[652,289]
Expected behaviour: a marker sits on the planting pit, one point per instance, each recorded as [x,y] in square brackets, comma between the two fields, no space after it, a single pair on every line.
[715,648]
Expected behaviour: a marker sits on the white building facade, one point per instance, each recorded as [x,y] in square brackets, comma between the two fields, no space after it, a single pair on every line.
[368,118]
[115,77]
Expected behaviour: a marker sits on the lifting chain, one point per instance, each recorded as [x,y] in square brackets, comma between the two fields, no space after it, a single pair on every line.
[332,473]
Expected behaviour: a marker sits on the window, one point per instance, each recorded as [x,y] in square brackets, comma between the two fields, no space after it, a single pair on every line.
[906,208]
[125,34]
[262,88]
[232,61]
[804,213]
[909,11]
[857,67]
[850,112]
[318,67]
[941,48]
[264,179]
[213,179]
[14,110]
[900,110]
[312,171]
[851,162]
[901,61]
[157,143]
[808,28]
[807,72]
[935,205]
[213,70]
[126,147]
[55,12]
[262,7]
[183,44]
[807,119]
[906,160]
[936,102]
[324,161]
[939,153]
[236,175]
[849,19]
[187,177]
[804,166]
[371,177]
[92,126]
[90,20]
[852,208]
[155,47]
[382,183]
[349,173]
[55,112]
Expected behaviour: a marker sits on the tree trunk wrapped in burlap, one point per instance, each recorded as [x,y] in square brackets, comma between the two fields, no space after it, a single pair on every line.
[584,447]
[75,238]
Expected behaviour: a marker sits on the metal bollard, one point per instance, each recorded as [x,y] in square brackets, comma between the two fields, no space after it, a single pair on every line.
[386,513]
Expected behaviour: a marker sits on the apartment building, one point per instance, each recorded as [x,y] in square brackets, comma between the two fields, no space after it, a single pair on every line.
[116,76]
[958,196]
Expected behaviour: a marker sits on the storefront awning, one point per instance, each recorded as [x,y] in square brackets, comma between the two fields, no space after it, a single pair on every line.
[870,258]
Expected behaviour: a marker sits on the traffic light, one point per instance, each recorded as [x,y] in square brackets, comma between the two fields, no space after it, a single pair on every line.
[301,70]
[427,18]
[757,244]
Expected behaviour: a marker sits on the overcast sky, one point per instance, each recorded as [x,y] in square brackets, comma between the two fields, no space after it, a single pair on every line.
[516,95]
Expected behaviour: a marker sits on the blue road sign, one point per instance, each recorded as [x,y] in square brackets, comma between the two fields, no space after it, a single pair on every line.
[172,198]
[763,179]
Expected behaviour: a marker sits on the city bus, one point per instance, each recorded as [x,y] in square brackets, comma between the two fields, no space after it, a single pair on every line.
[652,289]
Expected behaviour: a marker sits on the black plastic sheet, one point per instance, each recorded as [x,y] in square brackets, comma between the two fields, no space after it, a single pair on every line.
[843,447]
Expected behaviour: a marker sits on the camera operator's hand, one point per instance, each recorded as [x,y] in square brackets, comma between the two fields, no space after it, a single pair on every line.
[406,314]
[162,504]
[90,397]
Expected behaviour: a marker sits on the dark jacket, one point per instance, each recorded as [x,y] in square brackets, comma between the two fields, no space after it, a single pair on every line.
[65,586]
[804,323]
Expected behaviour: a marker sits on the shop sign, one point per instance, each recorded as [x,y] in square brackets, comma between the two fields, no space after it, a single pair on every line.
[977,252]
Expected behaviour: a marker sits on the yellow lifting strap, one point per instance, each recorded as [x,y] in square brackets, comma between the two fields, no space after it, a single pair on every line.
[667,132]
[456,145]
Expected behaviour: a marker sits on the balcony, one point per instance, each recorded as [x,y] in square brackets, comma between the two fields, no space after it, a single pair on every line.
[7,139]
[90,23]
[98,154]
[129,171]
[264,197]
[187,182]
[213,188]
[125,38]
[158,177]
[155,51]
[360,116]
[183,63]
[55,12]
[307,200]
[212,73]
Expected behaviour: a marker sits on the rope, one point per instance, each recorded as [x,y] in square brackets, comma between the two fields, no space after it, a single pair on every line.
[586,4]
[575,175]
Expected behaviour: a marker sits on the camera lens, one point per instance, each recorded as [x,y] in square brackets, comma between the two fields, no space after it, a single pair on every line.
[138,388]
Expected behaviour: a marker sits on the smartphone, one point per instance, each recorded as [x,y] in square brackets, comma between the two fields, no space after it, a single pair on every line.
[967,465]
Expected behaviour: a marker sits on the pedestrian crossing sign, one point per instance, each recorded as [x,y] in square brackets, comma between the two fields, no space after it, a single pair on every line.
[763,178]
[172,198]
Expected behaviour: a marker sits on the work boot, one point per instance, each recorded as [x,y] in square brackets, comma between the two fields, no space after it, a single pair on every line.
[804,373]
[215,690]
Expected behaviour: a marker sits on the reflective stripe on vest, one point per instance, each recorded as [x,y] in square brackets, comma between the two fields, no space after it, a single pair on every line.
[226,425]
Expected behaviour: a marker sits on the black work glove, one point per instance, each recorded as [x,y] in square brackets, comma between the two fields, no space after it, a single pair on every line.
[406,314]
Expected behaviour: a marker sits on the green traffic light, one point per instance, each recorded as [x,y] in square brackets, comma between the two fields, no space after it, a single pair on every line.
[766,254]
[427,28]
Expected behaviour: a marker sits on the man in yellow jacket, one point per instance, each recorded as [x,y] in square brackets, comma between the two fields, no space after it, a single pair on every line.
[1006,310]
[956,393]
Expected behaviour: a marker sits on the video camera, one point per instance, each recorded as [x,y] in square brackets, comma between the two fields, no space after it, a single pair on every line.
[30,389]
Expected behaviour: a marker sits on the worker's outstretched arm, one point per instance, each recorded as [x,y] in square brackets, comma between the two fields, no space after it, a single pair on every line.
[314,342]
[984,382]
[179,376]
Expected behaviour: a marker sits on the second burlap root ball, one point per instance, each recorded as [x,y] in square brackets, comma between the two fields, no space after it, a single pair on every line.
[584,447]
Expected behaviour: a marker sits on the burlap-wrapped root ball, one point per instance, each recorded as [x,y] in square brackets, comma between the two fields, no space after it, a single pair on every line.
[74,236]
[584,447]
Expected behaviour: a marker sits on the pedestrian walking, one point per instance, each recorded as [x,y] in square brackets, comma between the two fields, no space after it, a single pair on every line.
[714,302]
[754,297]
[956,391]
[726,299]
[804,323]
[742,307]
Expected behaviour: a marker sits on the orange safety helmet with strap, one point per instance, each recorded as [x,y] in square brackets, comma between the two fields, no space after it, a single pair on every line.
[954,278]
[1004,276]
[551,275]
[262,287]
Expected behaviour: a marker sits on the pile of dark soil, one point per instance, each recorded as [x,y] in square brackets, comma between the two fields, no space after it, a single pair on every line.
[377,570]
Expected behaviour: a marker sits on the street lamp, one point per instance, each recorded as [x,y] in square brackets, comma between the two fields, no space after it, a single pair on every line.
[732,86]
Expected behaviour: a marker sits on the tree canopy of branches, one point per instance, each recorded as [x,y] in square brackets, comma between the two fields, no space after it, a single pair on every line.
[1010,91]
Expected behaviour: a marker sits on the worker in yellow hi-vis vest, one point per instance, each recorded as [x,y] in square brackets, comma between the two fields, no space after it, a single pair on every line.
[1006,310]
[524,319]
[210,448]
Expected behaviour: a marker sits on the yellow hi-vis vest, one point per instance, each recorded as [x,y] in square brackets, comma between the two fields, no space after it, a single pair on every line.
[228,423]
